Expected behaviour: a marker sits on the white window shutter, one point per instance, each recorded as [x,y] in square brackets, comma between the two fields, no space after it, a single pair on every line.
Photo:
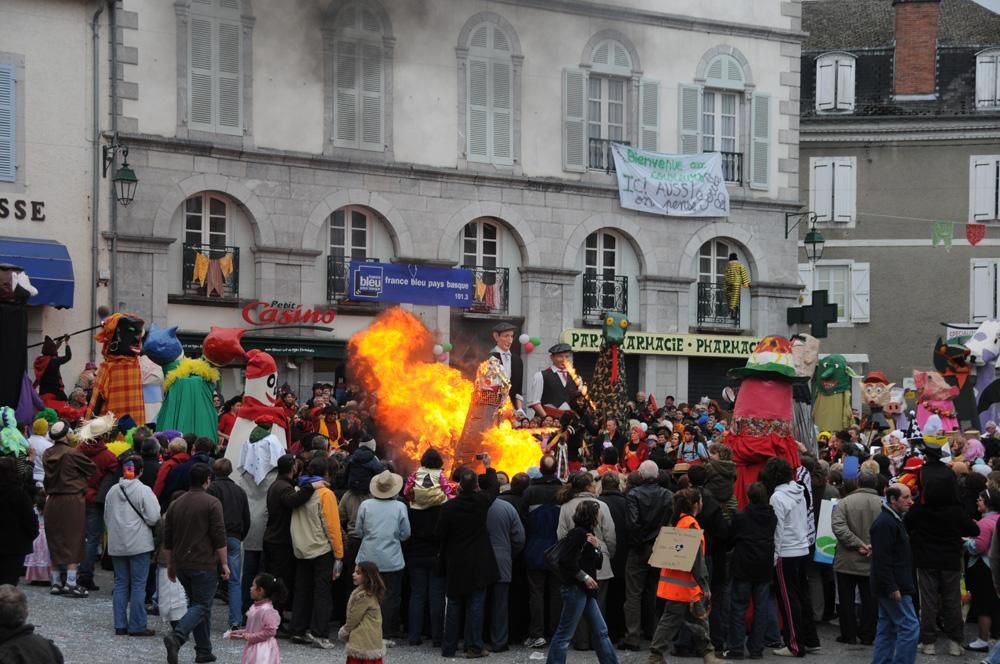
[201,75]
[649,115]
[845,84]
[371,98]
[8,127]
[760,145]
[478,129]
[229,84]
[690,119]
[844,190]
[825,85]
[821,189]
[984,199]
[346,57]
[860,293]
[988,80]
[984,291]
[574,120]
[502,111]
[806,277]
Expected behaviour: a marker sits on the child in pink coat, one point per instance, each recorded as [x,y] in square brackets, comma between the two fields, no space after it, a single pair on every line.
[262,622]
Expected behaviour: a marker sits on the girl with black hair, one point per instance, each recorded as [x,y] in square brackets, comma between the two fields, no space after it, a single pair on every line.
[262,622]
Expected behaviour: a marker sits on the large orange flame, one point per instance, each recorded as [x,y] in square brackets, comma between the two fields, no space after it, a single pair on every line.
[422,403]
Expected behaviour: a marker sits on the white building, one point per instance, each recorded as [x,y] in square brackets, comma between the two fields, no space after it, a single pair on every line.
[291,137]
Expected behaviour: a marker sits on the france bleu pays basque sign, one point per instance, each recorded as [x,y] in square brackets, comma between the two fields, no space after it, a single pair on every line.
[412,284]
[673,185]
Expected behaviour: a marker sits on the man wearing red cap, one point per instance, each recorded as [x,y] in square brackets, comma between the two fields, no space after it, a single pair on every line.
[260,404]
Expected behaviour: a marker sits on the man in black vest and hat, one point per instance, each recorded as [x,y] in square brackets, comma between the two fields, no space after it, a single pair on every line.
[513,368]
[552,389]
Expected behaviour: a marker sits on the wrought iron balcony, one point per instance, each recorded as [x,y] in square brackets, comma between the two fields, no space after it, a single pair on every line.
[211,271]
[491,289]
[713,307]
[604,292]
[338,269]
[732,166]
[600,157]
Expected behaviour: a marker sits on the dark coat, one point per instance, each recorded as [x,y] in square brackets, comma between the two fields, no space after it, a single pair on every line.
[18,522]
[422,545]
[938,484]
[282,498]
[713,523]
[20,645]
[235,506]
[752,538]
[179,478]
[892,565]
[362,466]
[150,469]
[466,555]
[618,507]
[649,508]
[542,520]
[936,534]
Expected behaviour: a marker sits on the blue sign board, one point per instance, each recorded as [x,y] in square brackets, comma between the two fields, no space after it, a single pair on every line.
[413,284]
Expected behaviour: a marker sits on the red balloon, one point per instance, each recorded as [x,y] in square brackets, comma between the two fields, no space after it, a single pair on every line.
[528,347]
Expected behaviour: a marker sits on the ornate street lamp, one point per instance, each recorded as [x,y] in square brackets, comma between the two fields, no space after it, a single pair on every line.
[124,178]
[814,240]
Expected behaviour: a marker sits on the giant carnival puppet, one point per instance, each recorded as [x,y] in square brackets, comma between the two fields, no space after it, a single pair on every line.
[934,397]
[984,351]
[876,391]
[48,378]
[762,416]
[260,405]
[805,350]
[832,394]
[610,388]
[15,386]
[118,386]
[952,362]
[188,384]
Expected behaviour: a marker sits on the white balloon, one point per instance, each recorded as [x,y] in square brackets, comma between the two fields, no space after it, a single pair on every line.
[523,339]
[437,350]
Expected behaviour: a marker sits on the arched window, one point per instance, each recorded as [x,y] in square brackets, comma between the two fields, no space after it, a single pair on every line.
[835,82]
[607,91]
[354,233]
[211,257]
[490,96]
[206,220]
[988,79]
[604,288]
[215,58]
[722,108]
[718,306]
[481,243]
[359,63]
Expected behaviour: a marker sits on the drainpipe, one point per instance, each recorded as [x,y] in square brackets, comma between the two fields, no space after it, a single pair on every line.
[95,194]
[113,38]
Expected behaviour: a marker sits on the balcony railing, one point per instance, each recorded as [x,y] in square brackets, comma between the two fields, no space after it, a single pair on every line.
[338,269]
[732,166]
[604,292]
[211,271]
[713,307]
[491,289]
[600,157]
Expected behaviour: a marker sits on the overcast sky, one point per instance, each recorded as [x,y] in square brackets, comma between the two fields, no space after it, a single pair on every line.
[990,4]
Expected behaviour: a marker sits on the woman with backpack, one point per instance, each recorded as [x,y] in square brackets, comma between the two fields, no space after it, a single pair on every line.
[578,557]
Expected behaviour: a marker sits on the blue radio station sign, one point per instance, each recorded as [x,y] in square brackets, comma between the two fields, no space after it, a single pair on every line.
[412,284]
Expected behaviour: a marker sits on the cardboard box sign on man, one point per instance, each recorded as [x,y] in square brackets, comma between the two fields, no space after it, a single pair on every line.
[676,548]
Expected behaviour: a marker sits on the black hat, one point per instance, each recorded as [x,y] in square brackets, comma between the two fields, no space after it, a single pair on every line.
[560,348]
[500,328]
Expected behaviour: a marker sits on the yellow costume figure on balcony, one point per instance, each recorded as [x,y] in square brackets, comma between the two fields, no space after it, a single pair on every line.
[737,278]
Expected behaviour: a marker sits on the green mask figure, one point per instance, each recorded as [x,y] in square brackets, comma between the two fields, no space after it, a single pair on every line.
[615,327]
[833,375]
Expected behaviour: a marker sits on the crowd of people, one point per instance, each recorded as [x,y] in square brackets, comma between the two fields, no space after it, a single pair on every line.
[332,530]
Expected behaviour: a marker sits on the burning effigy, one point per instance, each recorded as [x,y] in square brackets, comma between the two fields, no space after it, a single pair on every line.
[421,403]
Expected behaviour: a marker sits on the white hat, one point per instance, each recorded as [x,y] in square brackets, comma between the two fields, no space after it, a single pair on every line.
[96,427]
[385,485]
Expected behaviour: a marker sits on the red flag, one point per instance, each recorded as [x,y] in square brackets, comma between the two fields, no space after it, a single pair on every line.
[974,233]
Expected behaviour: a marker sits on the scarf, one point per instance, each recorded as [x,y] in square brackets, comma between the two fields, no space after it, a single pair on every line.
[309,479]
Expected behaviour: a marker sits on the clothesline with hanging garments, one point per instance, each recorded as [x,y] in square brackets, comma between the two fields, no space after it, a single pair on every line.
[212,273]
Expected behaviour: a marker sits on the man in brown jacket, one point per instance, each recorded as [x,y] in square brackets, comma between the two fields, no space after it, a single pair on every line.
[852,520]
[195,541]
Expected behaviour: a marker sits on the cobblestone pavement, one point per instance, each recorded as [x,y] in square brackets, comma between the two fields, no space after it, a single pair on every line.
[83,630]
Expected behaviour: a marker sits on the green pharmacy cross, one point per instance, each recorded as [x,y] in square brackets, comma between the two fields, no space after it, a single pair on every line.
[820,313]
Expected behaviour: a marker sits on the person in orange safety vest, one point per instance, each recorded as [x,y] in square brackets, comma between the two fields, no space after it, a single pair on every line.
[686,592]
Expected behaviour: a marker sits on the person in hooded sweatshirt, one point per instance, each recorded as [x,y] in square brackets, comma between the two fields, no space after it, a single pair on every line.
[791,555]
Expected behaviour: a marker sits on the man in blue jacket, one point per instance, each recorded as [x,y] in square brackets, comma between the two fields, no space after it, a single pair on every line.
[892,581]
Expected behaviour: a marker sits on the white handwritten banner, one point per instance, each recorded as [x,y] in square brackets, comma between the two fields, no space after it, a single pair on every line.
[688,185]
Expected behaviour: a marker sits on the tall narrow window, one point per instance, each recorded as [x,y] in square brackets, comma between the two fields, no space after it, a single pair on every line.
[215,67]
[481,244]
[206,221]
[489,94]
[349,233]
[359,80]
[603,288]
[720,111]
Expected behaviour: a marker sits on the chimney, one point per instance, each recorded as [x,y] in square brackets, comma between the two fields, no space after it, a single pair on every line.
[916,48]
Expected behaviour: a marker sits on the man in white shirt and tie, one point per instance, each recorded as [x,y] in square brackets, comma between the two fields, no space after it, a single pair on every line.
[552,389]
[513,368]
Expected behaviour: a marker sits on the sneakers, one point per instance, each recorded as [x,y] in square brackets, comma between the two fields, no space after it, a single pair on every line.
[305,638]
[783,652]
[711,658]
[978,646]
[927,648]
[324,644]
[537,642]
[75,591]
[955,649]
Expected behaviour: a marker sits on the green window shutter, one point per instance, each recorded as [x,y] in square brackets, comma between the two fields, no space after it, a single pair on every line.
[760,142]
[690,119]
[478,123]
[8,127]
[574,120]
[201,95]
[371,97]
[502,111]
[649,115]
[229,84]
[346,56]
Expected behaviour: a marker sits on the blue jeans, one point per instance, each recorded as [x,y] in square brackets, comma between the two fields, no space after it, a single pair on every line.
[742,593]
[200,587]
[426,587]
[472,606]
[235,549]
[898,632]
[130,591]
[251,566]
[95,529]
[994,656]
[577,604]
